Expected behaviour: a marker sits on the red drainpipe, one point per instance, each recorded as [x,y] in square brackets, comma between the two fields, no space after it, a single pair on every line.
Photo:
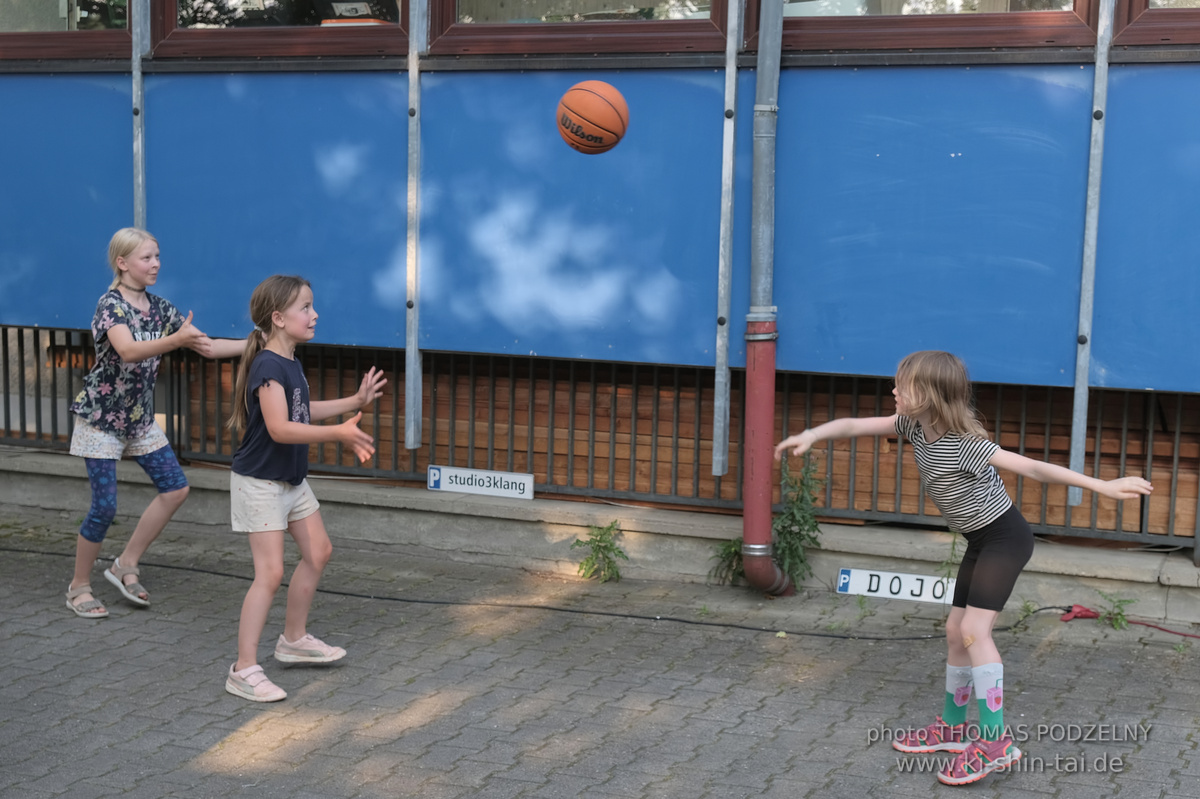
[758,476]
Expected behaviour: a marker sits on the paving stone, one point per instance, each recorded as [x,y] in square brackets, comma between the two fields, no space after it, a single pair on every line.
[463,680]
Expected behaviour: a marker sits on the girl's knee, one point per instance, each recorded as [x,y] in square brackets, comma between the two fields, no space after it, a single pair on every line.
[954,631]
[270,578]
[972,634]
[175,498]
[96,523]
[99,518]
[320,554]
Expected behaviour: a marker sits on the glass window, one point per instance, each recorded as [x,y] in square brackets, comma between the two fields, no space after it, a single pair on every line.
[64,29]
[861,8]
[254,28]
[489,11]
[1157,22]
[577,26]
[916,24]
[252,13]
[25,16]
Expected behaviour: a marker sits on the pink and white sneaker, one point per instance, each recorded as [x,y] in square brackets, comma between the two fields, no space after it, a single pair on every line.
[308,649]
[251,683]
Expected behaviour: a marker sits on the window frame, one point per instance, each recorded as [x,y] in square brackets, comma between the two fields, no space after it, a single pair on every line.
[115,43]
[448,36]
[1137,23]
[1075,28]
[168,40]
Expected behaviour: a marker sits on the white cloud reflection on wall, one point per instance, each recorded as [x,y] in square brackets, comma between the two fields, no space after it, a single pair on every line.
[340,165]
[545,271]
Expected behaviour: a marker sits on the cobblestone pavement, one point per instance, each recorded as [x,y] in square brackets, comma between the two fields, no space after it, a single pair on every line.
[471,681]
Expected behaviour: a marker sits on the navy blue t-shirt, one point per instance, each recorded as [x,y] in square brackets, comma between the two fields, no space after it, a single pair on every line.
[259,455]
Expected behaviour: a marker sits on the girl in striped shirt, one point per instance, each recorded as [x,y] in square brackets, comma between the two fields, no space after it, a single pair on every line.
[957,463]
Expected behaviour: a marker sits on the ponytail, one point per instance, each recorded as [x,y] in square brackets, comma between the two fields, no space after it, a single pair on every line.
[255,342]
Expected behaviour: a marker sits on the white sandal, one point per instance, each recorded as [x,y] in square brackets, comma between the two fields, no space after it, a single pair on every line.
[92,609]
[116,575]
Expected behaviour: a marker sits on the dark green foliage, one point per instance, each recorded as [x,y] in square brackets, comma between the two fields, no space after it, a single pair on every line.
[728,569]
[601,561]
[795,528]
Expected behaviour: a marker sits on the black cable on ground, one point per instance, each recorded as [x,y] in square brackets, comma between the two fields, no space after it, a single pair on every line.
[558,609]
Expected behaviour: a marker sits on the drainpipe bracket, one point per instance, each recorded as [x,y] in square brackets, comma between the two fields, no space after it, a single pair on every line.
[762,313]
[757,550]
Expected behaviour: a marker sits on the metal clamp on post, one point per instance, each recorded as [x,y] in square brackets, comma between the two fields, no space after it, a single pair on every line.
[761,313]
[757,550]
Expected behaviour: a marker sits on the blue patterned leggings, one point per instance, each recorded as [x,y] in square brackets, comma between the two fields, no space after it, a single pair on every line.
[161,466]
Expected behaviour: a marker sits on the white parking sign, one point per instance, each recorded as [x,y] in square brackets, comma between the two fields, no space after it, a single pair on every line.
[894,585]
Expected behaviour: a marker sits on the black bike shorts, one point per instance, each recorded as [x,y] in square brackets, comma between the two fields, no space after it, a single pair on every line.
[995,555]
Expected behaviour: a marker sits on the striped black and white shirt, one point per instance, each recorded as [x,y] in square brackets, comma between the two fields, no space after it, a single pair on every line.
[957,476]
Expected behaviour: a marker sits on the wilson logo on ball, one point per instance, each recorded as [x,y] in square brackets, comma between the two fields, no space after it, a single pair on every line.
[592,117]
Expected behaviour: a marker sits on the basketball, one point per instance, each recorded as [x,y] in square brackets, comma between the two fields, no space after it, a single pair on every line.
[592,117]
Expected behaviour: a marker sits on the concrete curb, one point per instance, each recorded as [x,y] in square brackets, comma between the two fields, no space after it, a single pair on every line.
[661,544]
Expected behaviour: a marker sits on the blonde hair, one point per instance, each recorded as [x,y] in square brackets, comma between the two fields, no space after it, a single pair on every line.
[275,293]
[936,383]
[122,245]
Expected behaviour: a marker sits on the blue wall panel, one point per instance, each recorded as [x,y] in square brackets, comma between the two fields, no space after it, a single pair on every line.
[931,208]
[530,247]
[252,175]
[1147,278]
[66,184]
[916,208]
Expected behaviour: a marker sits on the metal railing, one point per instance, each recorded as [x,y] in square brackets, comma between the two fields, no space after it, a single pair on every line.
[643,433]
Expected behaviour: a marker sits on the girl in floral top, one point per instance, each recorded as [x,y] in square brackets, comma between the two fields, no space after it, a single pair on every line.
[114,414]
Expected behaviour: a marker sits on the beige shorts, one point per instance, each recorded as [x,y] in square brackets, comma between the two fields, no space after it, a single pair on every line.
[257,505]
[92,442]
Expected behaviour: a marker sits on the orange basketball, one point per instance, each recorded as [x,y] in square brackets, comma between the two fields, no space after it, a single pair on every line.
[592,117]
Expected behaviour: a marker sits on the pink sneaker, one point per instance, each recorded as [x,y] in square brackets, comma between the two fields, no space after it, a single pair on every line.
[937,737]
[979,759]
[307,650]
[251,683]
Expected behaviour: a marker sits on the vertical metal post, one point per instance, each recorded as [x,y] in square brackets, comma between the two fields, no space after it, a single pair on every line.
[720,442]
[1087,281]
[418,29]
[758,417]
[139,30]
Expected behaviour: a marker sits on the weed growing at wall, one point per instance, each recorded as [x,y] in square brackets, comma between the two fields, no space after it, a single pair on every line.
[728,569]
[1114,614]
[601,561]
[795,529]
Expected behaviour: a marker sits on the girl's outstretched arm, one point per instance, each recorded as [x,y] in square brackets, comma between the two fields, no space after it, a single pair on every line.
[838,428]
[368,391]
[283,430]
[132,351]
[1129,487]
[224,348]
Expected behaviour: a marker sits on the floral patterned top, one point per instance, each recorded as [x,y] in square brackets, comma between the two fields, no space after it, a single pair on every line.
[118,397]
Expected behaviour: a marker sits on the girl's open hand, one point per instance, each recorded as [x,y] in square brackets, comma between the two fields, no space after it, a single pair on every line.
[798,444]
[1127,487]
[190,336]
[358,440]
[203,345]
[372,387]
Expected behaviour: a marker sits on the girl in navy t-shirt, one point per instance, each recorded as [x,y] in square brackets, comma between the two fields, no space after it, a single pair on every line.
[268,490]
